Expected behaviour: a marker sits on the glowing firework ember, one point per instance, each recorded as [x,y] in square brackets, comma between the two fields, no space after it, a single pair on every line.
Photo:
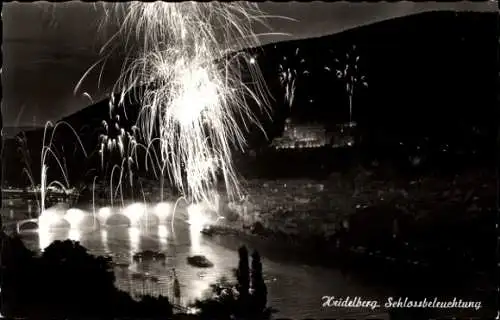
[289,70]
[197,218]
[194,100]
[49,218]
[104,214]
[75,217]
[134,212]
[162,211]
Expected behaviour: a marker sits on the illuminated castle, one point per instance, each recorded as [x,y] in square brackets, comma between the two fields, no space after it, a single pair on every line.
[300,136]
[313,135]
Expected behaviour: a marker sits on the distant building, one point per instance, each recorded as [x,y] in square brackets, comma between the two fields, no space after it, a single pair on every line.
[301,136]
[313,135]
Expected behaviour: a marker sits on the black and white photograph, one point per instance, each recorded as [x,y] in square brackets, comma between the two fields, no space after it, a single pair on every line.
[249,160]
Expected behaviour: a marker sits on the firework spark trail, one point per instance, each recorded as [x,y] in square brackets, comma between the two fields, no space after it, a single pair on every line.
[113,192]
[27,170]
[195,101]
[290,70]
[46,151]
[287,80]
[93,202]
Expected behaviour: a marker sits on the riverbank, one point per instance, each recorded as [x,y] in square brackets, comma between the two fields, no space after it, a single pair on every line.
[416,281]
[432,225]
[404,277]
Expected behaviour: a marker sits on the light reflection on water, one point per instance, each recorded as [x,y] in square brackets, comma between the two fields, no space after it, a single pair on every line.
[294,289]
[195,238]
[74,234]
[163,237]
[104,239]
[135,239]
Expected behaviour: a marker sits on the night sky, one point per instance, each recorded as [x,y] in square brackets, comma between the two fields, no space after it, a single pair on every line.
[47,47]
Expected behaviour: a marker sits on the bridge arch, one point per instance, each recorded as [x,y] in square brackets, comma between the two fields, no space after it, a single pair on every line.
[87,220]
[150,218]
[27,225]
[61,223]
[117,219]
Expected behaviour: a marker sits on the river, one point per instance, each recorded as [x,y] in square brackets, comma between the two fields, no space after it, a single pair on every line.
[295,289]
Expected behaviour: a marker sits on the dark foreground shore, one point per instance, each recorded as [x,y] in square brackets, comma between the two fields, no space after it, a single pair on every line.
[407,277]
[447,253]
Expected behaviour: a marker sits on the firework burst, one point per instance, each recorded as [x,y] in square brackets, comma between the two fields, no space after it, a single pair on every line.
[289,70]
[348,70]
[192,90]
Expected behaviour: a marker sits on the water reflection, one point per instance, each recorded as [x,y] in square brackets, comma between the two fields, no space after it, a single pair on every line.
[104,240]
[296,290]
[195,238]
[134,235]
[45,238]
[163,237]
[74,234]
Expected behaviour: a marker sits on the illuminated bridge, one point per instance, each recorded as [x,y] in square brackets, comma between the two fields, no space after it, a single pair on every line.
[132,215]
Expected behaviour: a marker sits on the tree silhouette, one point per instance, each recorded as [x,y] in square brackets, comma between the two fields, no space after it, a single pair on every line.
[222,304]
[67,282]
[259,288]
[225,300]
[16,274]
[68,266]
[243,276]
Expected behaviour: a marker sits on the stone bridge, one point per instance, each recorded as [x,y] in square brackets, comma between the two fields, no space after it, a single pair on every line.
[21,223]
[131,215]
